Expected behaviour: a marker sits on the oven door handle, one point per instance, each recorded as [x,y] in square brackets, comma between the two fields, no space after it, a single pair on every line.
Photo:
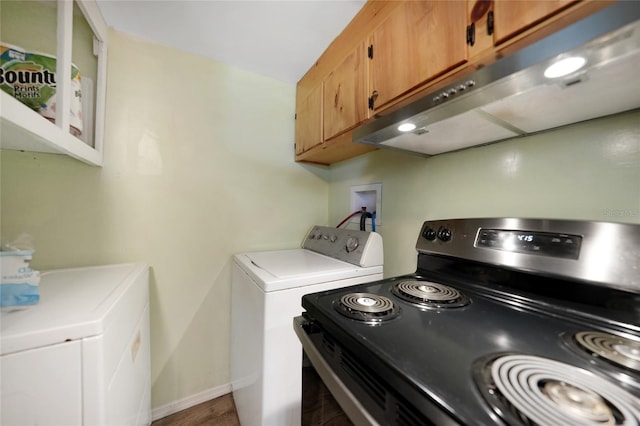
[348,402]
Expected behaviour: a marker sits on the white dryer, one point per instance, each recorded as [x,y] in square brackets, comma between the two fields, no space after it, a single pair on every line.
[81,356]
[266,292]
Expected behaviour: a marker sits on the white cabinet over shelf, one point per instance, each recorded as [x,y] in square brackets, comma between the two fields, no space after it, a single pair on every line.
[74,32]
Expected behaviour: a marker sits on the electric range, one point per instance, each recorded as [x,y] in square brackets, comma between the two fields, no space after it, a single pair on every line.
[505,321]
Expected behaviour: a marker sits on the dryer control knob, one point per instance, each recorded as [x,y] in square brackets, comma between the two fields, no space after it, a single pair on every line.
[352,244]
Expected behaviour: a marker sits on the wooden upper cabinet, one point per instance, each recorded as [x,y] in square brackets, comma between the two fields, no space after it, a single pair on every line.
[417,42]
[412,48]
[512,17]
[308,118]
[345,94]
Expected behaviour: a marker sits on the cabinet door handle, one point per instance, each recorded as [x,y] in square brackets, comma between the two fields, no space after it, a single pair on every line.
[471,34]
[490,23]
[372,99]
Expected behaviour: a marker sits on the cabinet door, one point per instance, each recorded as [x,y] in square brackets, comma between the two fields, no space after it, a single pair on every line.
[419,40]
[308,118]
[345,104]
[512,17]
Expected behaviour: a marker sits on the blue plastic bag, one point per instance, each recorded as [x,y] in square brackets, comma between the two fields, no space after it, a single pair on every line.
[19,294]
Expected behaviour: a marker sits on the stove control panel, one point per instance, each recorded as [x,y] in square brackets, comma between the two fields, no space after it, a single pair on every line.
[540,243]
[606,253]
[356,247]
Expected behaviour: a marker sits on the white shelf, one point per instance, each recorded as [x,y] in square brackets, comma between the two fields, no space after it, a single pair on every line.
[23,129]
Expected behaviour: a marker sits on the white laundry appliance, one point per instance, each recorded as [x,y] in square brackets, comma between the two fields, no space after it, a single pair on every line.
[266,293]
[81,356]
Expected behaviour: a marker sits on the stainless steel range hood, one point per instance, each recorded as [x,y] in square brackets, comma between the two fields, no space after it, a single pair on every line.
[512,97]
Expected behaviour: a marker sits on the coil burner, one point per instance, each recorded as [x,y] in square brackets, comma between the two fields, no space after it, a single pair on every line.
[530,390]
[616,349]
[367,307]
[429,295]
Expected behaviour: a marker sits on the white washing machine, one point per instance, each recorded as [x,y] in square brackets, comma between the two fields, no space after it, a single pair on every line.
[266,292]
[81,356]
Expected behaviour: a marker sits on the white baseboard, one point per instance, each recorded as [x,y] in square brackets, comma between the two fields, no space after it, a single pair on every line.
[190,401]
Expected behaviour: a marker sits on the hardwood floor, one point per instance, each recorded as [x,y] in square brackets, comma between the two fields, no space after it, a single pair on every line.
[217,412]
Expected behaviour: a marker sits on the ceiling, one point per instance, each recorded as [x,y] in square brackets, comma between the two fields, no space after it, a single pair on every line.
[278,39]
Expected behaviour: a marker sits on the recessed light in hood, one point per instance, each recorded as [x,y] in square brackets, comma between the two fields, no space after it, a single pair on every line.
[406,127]
[565,67]
[512,97]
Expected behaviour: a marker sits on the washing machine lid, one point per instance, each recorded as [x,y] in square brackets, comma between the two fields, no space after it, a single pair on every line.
[283,269]
[74,304]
